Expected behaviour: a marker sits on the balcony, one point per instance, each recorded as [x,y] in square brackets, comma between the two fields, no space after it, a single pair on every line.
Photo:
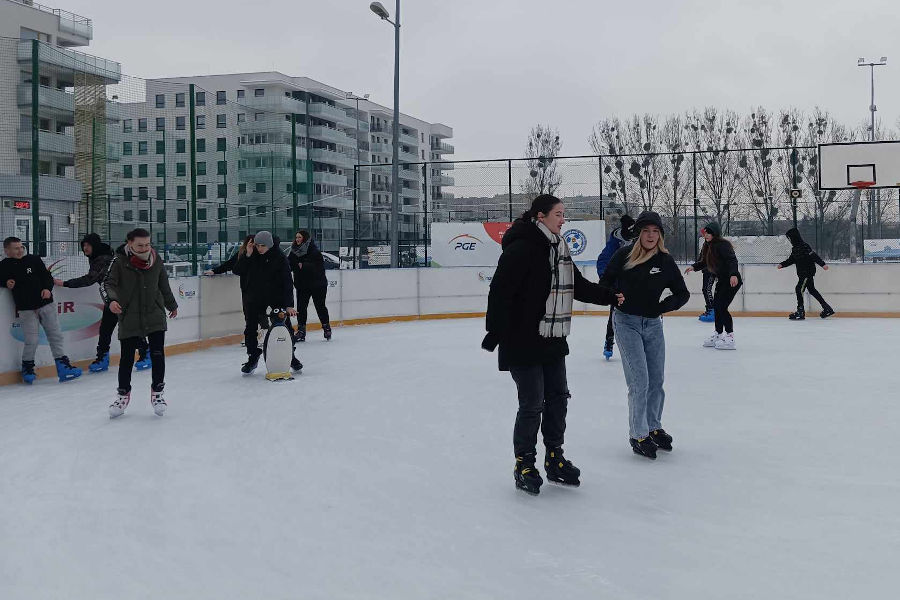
[332,158]
[331,113]
[68,22]
[275,104]
[410,193]
[445,166]
[276,124]
[381,186]
[409,174]
[329,178]
[409,140]
[69,61]
[62,189]
[444,196]
[267,174]
[55,101]
[442,148]
[279,150]
[327,134]
[409,157]
[49,143]
[442,180]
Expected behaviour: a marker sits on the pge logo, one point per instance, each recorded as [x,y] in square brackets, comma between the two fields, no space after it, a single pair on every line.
[465,242]
[576,240]
[186,293]
[485,278]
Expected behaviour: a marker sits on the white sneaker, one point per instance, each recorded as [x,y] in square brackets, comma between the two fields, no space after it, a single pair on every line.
[711,342]
[158,402]
[726,342]
[117,408]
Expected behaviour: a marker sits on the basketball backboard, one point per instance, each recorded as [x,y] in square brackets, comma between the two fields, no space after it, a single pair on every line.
[849,165]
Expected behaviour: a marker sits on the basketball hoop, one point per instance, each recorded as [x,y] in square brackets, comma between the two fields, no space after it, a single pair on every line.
[861,185]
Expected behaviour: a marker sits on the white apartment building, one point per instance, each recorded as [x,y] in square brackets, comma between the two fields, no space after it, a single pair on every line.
[71,98]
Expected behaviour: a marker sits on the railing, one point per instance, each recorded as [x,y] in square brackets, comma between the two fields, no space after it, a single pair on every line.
[68,21]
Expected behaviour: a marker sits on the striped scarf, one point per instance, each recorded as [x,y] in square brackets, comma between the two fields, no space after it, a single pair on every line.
[557,321]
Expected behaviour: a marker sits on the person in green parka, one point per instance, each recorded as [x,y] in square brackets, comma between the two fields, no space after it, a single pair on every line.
[138,291]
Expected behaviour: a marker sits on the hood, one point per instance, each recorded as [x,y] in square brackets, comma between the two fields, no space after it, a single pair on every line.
[524,230]
[98,248]
[793,234]
[713,228]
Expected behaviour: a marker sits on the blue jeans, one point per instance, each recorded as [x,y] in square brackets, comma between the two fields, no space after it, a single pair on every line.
[642,347]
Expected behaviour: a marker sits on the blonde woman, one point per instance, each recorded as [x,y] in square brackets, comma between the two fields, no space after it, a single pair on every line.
[641,273]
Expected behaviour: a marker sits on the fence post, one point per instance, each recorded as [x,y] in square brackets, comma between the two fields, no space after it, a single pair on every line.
[600,172]
[425,205]
[35,148]
[193,218]
[696,204]
[295,220]
[355,209]
[509,168]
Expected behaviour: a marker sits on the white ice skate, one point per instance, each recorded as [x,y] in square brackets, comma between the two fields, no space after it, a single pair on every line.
[158,402]
[117,408]
[726,342]
[711,342]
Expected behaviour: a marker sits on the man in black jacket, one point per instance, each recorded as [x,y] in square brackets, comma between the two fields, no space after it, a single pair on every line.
[805,259]
[268,285]
[99,256]
[31,284]
[308,268]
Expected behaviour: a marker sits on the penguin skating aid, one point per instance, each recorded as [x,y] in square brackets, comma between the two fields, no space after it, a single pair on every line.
[278,348]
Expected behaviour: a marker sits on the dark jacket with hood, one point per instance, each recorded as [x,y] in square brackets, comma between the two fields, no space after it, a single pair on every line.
[143,294]
[308,267]
[802,255]
[268,278]
[31,276]
[717,257]
[518,298]
[620,236]
[99,261]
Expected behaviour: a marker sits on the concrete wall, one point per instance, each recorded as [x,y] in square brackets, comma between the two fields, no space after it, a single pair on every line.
[210,307]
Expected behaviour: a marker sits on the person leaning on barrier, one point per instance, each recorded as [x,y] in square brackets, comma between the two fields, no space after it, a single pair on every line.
[228,266]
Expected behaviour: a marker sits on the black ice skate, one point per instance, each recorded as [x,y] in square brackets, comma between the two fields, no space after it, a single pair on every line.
[827,312]
[326,329]
[800,315]
[559,470]
[252,362]
[644,447]
[296,365]
[526,475]
[662,439]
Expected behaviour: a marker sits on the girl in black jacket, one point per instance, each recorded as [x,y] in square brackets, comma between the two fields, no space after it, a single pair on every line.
[308,268]
[805,259]
[246,247]
[529,315]
[719,259]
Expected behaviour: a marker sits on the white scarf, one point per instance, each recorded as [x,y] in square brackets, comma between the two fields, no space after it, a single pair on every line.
[557,321]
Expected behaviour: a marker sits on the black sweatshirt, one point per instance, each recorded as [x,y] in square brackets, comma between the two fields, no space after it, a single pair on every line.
[644,284]
[725,260]
[31,277]
[802,255]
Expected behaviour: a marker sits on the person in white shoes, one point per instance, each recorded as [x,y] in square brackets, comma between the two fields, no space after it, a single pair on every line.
[719,259]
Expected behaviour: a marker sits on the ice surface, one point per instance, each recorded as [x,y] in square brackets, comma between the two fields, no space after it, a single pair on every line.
[385,471]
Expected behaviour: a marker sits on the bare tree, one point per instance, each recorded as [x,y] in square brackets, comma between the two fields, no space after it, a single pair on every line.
[642,135]
[716,136]
[541,151]
[759,179]
[607,141]
[675,186]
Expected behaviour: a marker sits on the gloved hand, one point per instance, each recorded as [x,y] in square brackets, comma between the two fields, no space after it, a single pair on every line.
[489,342]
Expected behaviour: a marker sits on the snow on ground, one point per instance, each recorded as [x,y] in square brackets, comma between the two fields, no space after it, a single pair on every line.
[385,471]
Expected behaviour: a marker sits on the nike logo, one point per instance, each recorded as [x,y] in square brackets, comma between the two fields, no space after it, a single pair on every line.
[655,270]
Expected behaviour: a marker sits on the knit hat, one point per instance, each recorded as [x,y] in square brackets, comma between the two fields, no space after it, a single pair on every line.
[713,229]
[648,217]
[264,238]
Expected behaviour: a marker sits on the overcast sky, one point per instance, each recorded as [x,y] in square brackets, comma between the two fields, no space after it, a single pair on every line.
[493,68]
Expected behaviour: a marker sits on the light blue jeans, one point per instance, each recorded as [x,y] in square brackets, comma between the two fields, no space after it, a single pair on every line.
[642,347]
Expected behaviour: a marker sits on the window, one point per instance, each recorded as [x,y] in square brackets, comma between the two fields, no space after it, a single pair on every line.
[221,145]
[126,148]
[260,211]
[160,169]
[242,117]
[201,192]
[200,99]
[181,237]
[201,145]
[201,214]
[242,212]
[260,187]
[160,216]
[222,191]
[259,92]
[142,148]
[242,188]
[201,122]
[160,147]
[201,237]
[182,215]
[181,169]
[179,100]
[160,192]
[127,194]
[160,101]
[127,171]
[160,123]
[181,192]
[143,216]
[220,98]
[221,168]
[240,94]
[128,215]
[201,168]
[142,170]
[179,123]
[142,124]
[180,146]
[223,236]
[223,213]
[142,194]
[220,122]
[126,125]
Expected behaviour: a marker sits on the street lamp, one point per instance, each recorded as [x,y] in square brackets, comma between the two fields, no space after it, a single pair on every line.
[383,14]
[352,96]
[862,62]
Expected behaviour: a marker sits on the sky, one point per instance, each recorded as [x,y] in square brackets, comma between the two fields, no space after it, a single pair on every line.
[492,69]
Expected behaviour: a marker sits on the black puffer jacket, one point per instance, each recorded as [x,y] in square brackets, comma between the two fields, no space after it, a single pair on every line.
[31,277]
[518,298]
[268,278]
[308,269]
[802,255]
[99,260]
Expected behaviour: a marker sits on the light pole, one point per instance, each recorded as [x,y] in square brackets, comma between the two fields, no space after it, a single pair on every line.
[862,62]
[383,14]
[352,96]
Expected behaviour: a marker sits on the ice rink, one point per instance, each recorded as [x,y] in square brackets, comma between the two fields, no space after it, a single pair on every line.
[385,471]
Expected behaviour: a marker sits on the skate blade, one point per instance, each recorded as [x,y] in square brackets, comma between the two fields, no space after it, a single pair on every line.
[643,455]
[563,483]
[527,491]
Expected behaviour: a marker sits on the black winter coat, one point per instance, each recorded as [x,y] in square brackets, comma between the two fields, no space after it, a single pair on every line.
[802,255]
[644,284]
[311,275]
[718,258]
[31,277]
[99,261]
[229,265]
[518,299]
[268,278]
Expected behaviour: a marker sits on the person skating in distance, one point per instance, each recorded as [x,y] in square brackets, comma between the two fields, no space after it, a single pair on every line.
[529,315]
[308,268]
[709,287]
[246,246]
[719,259]
[620,236]
[805,259]
[642,272]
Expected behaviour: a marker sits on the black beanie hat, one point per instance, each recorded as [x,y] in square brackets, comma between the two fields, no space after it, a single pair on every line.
[713,228]
[648,217]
